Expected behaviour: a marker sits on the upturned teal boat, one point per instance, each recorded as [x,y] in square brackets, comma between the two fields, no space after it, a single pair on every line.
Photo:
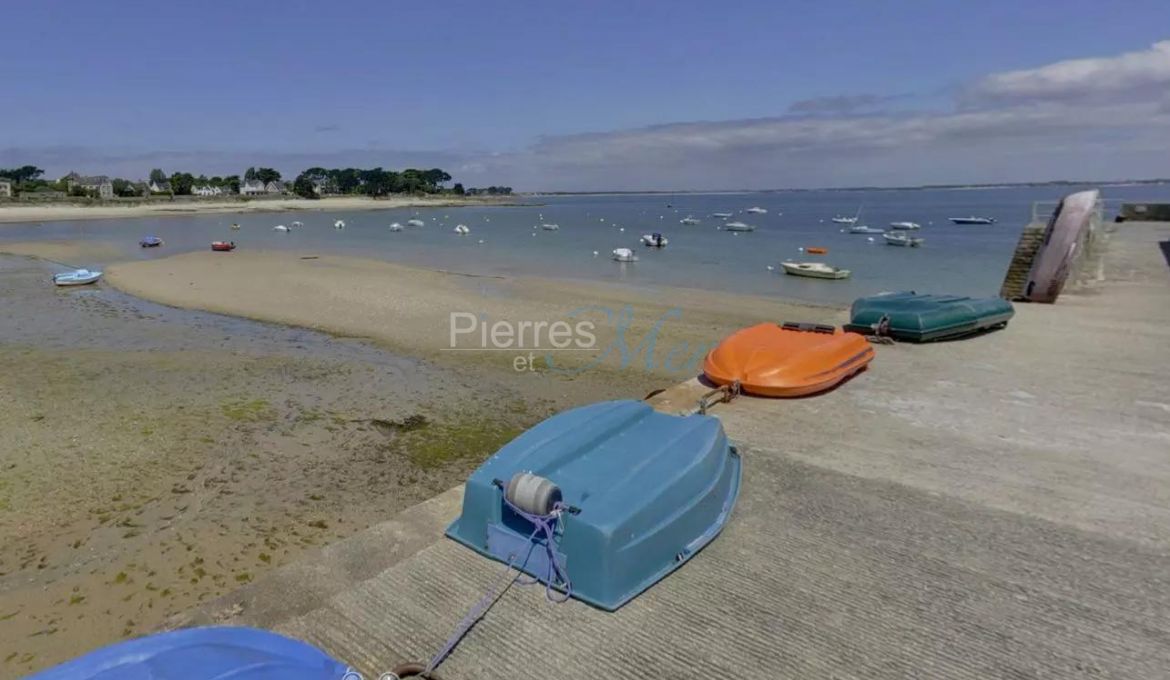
[923,318]
[602,501]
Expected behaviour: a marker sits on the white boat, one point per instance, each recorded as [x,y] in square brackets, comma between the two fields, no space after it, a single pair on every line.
[862,229]
[462,229]
[689,220]
[624,255]
[844,220]
[722,215]
[78,277]
[814,270]
[280,227]
[897,238]
[297,225]
[910,226]
[655,240]
[550,227]
[756,210]
[415,223]
[972,220]
[235,227]
[339,224]
[738,226]
[394,226]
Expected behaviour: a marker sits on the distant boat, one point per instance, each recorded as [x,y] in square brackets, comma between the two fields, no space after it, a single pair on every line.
[655,240]
[814,270]
[235,227]
[972,220]
[905,225]
[844,220]
[723,215]
[339,224]
[223,246]
[462,229]
[416,223]
[862,229]
[624,255]
[280,227]
[689,220]
[78,277]
[150,242]
[816,250]
[394,226]
[550,227]
[738,226]
[756,210]
[297,225]
[897,238]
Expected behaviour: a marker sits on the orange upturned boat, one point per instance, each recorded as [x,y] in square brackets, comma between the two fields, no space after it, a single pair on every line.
[787,360]
[816,250]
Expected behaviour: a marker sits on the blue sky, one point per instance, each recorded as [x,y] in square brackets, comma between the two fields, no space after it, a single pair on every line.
[593,95]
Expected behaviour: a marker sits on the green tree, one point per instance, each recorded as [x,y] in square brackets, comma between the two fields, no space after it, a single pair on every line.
[181,183]
[303,187]
[458,189]
[267,175]
[232,183]
[157,175]
[249,174]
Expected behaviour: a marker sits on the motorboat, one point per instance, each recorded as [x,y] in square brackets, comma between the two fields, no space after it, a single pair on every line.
[415,223]
[972,220]
[916,317]
[235,226]
[722,215]
[654,240]
[787,360]
[738,226]
[816,250]
[223,246]
[897,238]
[814,270]
[624,255]
[689,220]
[280,227]
[909,226]
[394,226]
[550,227]
[611,497]
[297,224]
[1063,236]
[150,242]
[462,229]
[844,220]
[339,224]
[862,229]
[756,210]
[77,277]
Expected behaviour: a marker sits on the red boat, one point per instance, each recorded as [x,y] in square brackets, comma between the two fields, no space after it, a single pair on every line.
[223,246]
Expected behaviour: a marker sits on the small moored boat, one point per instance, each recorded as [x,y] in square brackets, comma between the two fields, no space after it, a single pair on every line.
[897,238]
[922,318]
[972,220]
[628,494]
[394,226]
[235,226]
[462,229]
[738,226]
[339,224]
[150,242]
[654,240]
[416,223]
[911,226]
[280,227]
[757,211]
[844,220]
[223,246]
[814,270]
[624,255]
[689,220]
[77,277]
[862,229]
[816,250]
[722,215]
[787,360]
[549,226]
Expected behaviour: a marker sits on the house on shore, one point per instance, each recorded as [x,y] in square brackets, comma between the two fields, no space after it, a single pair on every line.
[206,190]
[274,188]
[163,187]
[99,185]
[6,190]
[252,187]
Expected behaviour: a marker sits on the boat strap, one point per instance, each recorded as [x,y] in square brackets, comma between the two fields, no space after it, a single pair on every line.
[719,395]
[881,332]
[809,327]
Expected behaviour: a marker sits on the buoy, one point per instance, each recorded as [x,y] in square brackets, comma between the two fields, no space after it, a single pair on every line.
[595,253]
[770,268]
[532,494]
[870,239]
[800,250]
[621,228]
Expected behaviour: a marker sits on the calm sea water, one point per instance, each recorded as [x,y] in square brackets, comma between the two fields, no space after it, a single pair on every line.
[507,240]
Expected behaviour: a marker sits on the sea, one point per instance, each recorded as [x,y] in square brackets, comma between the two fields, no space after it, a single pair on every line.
[509,240]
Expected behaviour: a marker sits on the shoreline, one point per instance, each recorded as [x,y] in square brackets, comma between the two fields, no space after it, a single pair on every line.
[19,213]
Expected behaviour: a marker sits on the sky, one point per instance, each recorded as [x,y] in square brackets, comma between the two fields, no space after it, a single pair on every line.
[595,95]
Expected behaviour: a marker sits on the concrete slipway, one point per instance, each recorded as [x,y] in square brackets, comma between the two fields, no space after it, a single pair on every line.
[997,507]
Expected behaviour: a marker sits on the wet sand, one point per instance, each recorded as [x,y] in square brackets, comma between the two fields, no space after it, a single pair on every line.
[22,212]
[151,458]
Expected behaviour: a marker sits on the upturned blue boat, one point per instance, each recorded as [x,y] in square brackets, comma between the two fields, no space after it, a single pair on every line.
[150,242]
[923,318]
[631,494]
[213,653]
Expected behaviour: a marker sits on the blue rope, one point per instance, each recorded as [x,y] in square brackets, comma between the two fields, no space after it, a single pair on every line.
[542,524]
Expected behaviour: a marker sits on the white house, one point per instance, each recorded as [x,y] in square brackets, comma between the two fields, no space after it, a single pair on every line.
[159,187]
[274,188]
[206,190]
[5,188]
[252,187]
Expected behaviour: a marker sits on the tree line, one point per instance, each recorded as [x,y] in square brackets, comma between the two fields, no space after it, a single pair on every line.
[315,182]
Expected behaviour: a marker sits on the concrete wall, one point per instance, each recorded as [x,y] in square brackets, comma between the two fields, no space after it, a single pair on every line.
[1150,212]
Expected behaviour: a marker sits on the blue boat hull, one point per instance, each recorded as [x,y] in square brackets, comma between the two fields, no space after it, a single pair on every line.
[650,490]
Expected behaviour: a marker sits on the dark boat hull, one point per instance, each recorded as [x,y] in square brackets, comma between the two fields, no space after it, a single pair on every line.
[924,318]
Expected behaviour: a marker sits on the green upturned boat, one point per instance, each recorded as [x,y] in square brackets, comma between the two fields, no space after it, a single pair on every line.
[917,317]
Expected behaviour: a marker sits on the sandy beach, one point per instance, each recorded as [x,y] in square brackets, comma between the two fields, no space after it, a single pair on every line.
[23,212]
